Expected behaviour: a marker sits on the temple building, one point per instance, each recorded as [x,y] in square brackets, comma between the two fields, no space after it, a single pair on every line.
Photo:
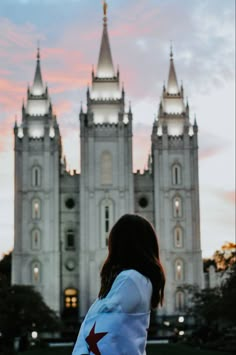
[62,221]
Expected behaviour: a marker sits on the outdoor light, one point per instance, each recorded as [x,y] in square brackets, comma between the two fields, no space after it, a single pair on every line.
[181,319]
[181,332]
[166,323]
[34,334]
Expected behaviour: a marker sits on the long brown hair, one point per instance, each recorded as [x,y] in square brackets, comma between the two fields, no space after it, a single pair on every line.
[133,244]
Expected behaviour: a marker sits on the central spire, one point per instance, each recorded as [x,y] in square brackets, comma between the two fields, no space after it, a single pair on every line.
[37,88]
[105,68]
[172,85]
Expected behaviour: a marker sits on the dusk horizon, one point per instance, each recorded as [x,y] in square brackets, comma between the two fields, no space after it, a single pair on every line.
[142,35]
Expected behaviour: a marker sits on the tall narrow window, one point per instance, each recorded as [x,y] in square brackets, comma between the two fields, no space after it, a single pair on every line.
[179,270]
[70,239]
[176,174]
[36,239]
[177,207]
[178,237]
[107,218]
[36,176]
[36,272]
[36,209]
[71,298]
[179,301]
[106,168]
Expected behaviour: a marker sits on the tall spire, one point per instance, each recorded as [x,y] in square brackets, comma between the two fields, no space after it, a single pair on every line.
[105,68]
[172,85]
[37,87]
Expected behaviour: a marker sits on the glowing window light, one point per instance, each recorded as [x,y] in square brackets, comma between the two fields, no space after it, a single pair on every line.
[52,132]
[20,133]
[36,272]
[37,107]
[105,73]
[34,334]
[177,207]
[159,131]
[179,270]
[71,298]
[36,130]
[190,132]
[175,128]
[126,119]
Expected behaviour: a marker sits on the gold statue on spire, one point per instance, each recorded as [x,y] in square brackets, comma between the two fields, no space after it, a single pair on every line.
[105,8]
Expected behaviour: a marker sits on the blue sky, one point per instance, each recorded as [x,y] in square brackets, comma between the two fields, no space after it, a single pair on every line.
[69,31]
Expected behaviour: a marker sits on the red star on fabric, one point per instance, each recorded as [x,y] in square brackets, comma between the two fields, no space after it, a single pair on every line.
[93,338]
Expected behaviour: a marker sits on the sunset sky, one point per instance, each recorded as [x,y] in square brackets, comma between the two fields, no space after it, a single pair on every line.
[69,31]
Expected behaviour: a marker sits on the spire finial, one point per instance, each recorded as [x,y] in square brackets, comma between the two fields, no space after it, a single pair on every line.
[105,8]
[171,50]
[130,107]
[38,50]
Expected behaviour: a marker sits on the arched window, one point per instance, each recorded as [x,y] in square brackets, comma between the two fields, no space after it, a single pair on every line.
[36,209]
[70,239]
[178,237]
[106,168]
[179,270]
[179,301]
[107,219]
[71,298]
[36,176]
[36,239]
[177,207]
[36,272]
[176,174]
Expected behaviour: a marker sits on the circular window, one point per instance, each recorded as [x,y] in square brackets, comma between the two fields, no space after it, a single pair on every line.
[70,203]
[143,202]
[70,265]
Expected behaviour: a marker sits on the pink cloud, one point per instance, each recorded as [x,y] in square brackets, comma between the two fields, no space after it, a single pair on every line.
[11,93]
[12,35]
[62,107]
[6,138]
[209,152]
[230,196]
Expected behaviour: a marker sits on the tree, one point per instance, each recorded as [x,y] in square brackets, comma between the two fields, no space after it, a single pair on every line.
[5,269]
[228,309]
[22,308]
[222,259]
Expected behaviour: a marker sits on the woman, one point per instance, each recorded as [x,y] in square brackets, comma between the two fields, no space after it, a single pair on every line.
[132,283]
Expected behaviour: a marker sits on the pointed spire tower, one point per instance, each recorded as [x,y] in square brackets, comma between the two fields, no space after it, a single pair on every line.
[176,194]
[105,83]
[38,101]
[106,179]
[38,153]
[173,112]
[37,112]
[105,68]
[37,87]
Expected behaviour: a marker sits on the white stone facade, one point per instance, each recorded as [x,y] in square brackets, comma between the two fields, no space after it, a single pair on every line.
[62,221]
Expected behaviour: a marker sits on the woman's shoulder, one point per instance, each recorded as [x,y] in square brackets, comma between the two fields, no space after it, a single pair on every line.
[133,276]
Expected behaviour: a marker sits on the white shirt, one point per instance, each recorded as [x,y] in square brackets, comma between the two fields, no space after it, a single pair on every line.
[119,321]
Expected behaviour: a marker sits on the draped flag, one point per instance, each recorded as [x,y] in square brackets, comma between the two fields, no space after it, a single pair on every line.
[112,334]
